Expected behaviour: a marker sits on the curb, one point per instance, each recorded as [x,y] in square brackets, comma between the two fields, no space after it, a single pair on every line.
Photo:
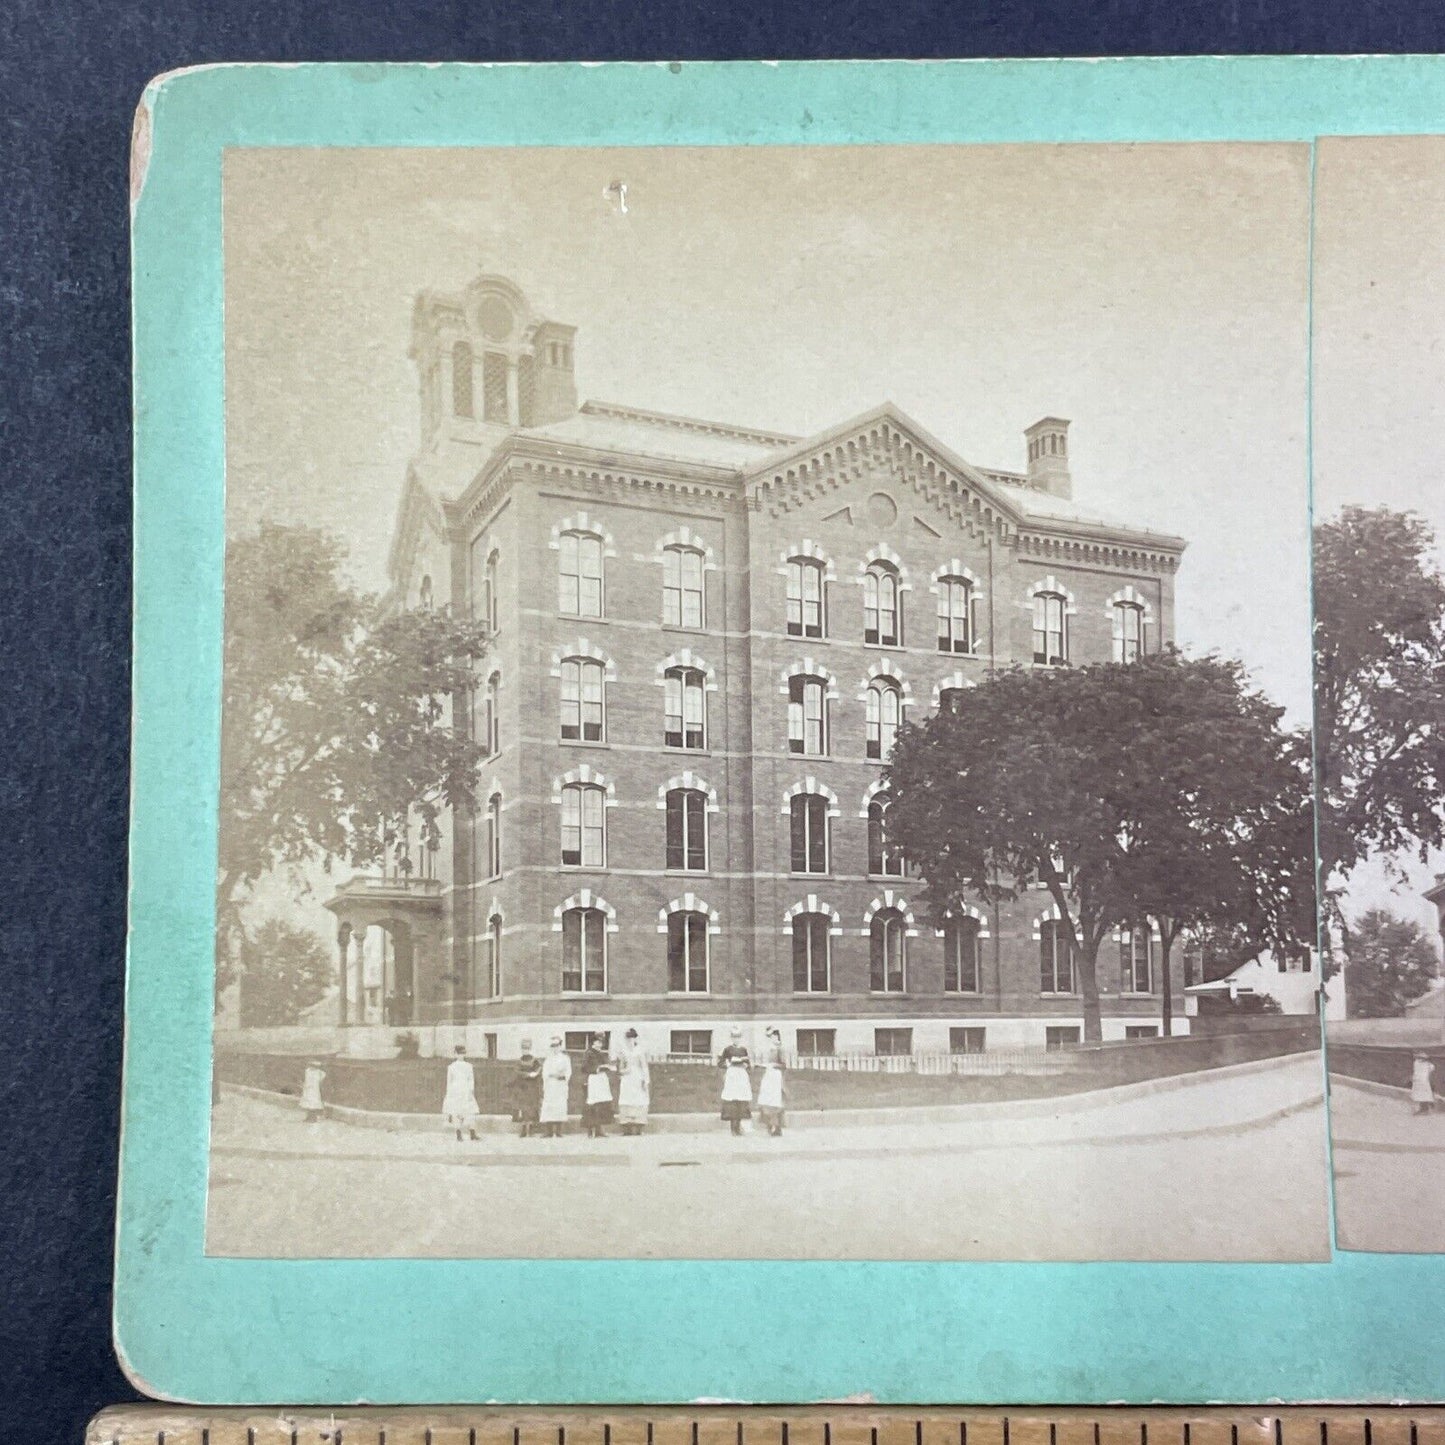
[1042,1107]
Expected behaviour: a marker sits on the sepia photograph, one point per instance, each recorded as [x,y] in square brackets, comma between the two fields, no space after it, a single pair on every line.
[1379,542]
[767,706]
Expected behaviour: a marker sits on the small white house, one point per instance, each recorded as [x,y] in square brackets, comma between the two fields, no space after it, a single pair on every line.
[1292,982]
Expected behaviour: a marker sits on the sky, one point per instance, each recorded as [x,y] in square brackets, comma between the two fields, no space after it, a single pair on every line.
[1157,295]
[1379,364]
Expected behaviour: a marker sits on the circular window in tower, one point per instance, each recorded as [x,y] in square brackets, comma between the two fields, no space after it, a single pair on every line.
[495,318]
[882,510]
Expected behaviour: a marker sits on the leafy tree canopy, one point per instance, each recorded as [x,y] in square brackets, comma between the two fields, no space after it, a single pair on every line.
[1379,654]
[1392,963]
[344,723]
[285,970]
[1161,788]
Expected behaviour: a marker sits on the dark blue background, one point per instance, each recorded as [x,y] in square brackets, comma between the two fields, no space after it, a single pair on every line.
[70,75]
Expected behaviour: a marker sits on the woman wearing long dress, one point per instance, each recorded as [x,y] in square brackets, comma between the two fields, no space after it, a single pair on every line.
[527,1090]
[770,1090]
[634,1085]
[1422,1084]
[737,1089]
[556,1075]
[596,1071]
[459,1104]
[311,1102]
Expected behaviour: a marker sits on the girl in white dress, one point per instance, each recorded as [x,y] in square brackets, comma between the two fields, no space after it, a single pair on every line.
[460,1102]
[770,1091]
[556,1075]
[634,1087]
[311,1103]
[1422,1084]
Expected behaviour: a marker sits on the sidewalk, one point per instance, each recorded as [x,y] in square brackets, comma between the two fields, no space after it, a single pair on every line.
[1217,1102]
[1381,1119]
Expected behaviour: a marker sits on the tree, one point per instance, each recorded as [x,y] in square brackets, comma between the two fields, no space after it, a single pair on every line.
[287,970]
[1392,963]
[341,721]
[1138,790]
[1379,655]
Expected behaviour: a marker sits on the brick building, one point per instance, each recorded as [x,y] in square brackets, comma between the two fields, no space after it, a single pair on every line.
[705,636]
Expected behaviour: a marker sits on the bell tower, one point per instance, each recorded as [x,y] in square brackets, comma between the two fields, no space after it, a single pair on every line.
[486,363]
[1048,453]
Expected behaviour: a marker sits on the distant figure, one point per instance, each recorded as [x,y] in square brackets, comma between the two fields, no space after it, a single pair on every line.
[527,1090]
[737,1089]
[634,1085]
[770,1091]
[556,1075]
[311,1092]
[1422,1084]
[596,1071]
[460,1104]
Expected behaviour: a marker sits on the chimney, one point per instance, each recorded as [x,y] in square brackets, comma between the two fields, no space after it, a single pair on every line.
[1048,451]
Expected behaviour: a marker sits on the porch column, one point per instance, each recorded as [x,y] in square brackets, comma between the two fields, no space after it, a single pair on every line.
[343,939]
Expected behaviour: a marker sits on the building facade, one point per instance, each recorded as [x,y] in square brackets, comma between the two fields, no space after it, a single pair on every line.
[704,639]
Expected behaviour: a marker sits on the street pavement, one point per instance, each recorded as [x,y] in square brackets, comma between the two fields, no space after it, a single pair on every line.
[1389,1171]
[1229,1167]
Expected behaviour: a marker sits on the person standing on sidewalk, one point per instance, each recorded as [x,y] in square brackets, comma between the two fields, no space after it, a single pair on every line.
[597,1074]
[634,1085]
[1422,1084]
[460,1103]
[737,1089]
[311,1101]
[527,1090]
[556,1075]
[770,1090]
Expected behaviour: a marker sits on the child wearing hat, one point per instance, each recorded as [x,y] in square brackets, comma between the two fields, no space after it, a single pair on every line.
[737,1089]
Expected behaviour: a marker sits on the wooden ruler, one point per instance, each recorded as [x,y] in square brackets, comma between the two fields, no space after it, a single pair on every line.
[824,1425]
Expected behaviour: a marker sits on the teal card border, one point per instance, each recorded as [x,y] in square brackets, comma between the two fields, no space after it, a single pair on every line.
[337,1331]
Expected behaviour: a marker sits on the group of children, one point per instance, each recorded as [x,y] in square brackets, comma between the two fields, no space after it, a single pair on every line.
[618,1088]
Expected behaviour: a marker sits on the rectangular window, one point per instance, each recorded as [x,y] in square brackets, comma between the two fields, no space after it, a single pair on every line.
[805,599]
[809,840]
[579,576]
[576,1041]
[817,1043]
[1050,630]
[1128,632]
[955,615]
[582,827]
[966,1040]
[1141,1031]
[682,587]
[582,701]
[1136,961]
[892,1043]
[1061,1036]
[684,710]
[807,717]
[584,967]
[961,956]
[887,971]
[686,830]
[810,953]
[691,1043]
[687,953]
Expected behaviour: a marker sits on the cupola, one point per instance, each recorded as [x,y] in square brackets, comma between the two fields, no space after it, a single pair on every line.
[1047,441]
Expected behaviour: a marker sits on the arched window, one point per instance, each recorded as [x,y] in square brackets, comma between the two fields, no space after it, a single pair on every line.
[687,952]
[956,629]
[682,587]
[888,947]
[885,712]
[885,859]
[807,715]
[1051,631]
[494,956]
[684,708]
[687,830]
[494,388]
[492,837]
[1056,957]
[950,699]
[1136,960]
[806,612]
[490,615]
[810,953]
[1128,631]
[584,831]
[961,971]
[584,951]
[882,605]
[583,684]
[579,574]
[489,716]
[425,599]
[809,829]
[462,379]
